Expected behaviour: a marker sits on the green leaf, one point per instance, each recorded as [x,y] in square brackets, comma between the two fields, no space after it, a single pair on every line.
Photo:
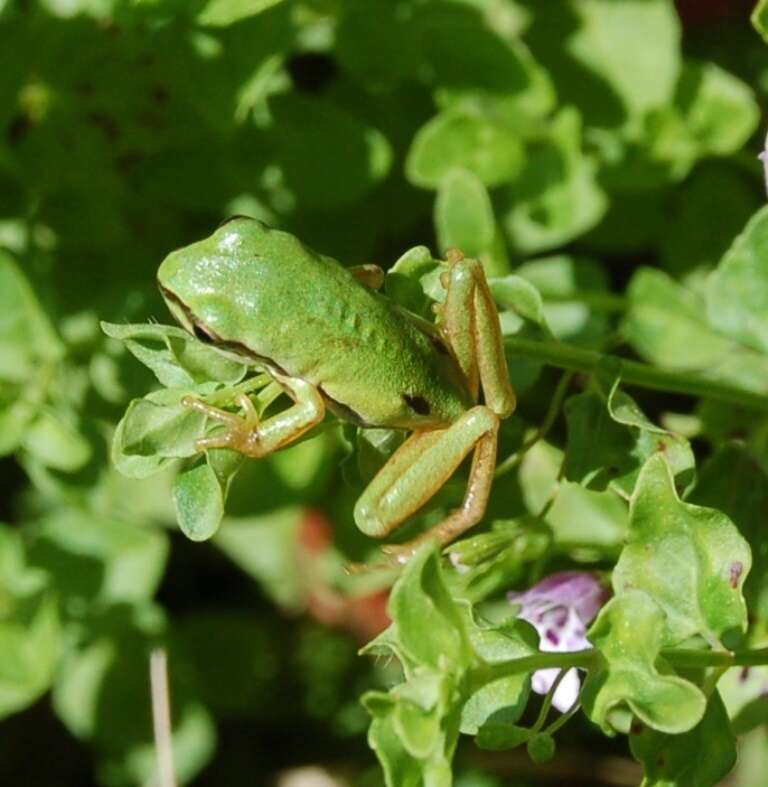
[407,280]
[486,65]
[176,358]
[719,109]
[578,516]
[760,18]
[515,294]
[220,13]
[609,441]
[691,560]
[463,214]
[30,645]
[94,559]
[556,198]
[622,44]
[492,710]
[737,292]
[677,761]
[573,293]
[732,481]
[629,632]
[666,325]
[158,429]
[199,502]
[420,594]
[53,439]
[489,147]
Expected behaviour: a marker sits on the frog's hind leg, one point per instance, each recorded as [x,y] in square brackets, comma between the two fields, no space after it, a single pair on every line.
[254,438]
[470,324]
[419,468]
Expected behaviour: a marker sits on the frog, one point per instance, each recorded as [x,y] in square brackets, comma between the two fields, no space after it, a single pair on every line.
[337,345]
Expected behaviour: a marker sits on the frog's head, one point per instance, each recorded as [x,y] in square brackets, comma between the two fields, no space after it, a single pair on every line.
[202,283]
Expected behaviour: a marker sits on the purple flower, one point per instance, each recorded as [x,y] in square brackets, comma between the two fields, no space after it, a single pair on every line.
[561,607]
[764,158]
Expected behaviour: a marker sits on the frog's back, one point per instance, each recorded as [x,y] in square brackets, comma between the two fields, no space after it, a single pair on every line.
[269,296]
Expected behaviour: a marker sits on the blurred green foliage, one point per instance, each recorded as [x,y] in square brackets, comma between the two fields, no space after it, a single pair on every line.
[599,157]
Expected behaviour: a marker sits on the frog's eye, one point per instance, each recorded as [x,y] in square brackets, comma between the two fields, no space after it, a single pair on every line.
[202,335]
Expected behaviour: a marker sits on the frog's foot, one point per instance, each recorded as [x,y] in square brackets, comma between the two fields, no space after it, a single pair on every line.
[250,436]
[241,429]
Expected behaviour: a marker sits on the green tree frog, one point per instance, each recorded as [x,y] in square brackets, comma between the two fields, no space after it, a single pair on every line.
[325,334]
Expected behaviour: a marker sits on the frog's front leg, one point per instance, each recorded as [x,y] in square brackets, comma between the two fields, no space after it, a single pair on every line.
[419,468]
[254,438]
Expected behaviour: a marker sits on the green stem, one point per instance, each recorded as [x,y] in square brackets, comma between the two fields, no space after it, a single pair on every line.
[585,659]
[580,359]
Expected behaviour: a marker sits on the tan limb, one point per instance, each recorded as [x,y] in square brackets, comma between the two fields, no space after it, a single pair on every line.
[470,324]
[254,438]
[419,468]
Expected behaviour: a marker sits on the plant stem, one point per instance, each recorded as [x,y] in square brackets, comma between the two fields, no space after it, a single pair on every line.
[584,659]
[643,375]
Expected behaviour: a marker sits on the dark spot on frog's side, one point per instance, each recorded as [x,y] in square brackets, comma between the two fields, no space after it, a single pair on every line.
[418,404]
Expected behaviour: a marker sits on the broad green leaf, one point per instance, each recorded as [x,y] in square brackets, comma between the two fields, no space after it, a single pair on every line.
[463,214]
[158,427]
[30,646]
[609,441]
[556,197]
[667,325]
[98,559]
[760,18]
[629,633]
[487,146]
[199,501]
[516,294]
[485,65]
[700,757]
[490,711]
[397,723]
[691,560]
[26,335]
[621,44]
[719,109]
[737,292]
[732,481]
[420,594]
[406,280]
[220,13]
[578,516]
[574,294]
[177,359]
[53,439]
